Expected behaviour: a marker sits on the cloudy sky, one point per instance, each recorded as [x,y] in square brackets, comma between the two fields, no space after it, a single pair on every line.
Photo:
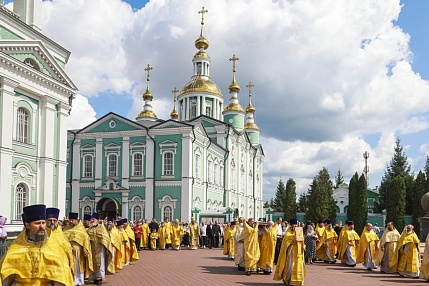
[333,78]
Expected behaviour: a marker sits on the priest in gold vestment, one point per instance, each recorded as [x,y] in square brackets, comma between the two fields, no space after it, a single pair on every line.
[194,234]
[268,247]
[239,245]
[177,232]
[291,264]
[101,248]
[368,248]
[388,245]
[115,240]
[35,257]
[228,244]
[134,254]
[348,243]
[320,229]
[52,215]
[168,232]
[76,234]
[407,255]
[328,242]
[162,236]
[145,235]
[251,246]
[125,248]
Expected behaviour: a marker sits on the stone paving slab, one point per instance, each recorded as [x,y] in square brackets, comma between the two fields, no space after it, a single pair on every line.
[210,267]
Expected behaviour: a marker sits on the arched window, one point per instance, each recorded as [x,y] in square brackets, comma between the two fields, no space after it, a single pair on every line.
[138,164]
[168,213]
[168,164]
[112,165]
[87,210]
[20,200]
[137,213]
[197,166]
[87,166]
[22,127]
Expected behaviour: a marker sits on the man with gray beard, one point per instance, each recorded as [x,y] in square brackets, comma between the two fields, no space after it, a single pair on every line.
[52,223]
[35,257]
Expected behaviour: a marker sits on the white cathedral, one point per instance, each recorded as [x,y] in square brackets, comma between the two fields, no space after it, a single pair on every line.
[205,161]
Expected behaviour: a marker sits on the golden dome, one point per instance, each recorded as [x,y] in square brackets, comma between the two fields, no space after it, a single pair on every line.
[234,86]
[250,108]
[174,114]
[199,84]
[251,126]
[201,42]
[234,107]
[147,94]
[146,113]
[201,54]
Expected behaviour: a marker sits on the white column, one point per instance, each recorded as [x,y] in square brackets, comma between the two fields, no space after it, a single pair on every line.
[215,108]
[187,109]
[149,195]
[221,110]
[7,92]
[203,108]
[125,161]
[186,178]
[124,204]
[63,110]
[98,162]
[46,151]
[75,195]
[198,106]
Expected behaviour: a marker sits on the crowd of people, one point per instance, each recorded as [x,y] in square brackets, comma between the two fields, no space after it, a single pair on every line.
[71,251]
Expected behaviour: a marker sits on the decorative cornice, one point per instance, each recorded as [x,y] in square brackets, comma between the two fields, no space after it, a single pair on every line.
[33,47]
[22,69]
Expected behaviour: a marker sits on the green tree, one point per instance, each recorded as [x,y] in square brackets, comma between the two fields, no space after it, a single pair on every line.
[303,203]
[419,191]
[266,205]
[280,198]
[272,203]
[289,206]
[320,200]
[353,198]
[398,167]
[362,199]
[396,201]
[339,179]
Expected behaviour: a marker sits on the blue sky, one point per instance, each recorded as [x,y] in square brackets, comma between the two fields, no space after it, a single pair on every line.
[333,79]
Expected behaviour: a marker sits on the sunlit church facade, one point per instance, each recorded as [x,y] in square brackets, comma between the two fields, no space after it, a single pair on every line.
[35,96]
[205,161]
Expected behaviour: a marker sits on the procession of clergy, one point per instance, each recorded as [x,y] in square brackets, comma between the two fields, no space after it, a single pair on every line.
[47,253]
[252,245]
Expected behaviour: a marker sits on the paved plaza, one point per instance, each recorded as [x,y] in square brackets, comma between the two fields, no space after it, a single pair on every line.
[209,267]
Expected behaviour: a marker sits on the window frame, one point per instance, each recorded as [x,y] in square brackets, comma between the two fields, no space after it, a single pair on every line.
[23,125]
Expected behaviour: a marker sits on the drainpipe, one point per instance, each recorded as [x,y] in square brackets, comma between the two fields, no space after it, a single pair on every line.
[154,165]
[71,171]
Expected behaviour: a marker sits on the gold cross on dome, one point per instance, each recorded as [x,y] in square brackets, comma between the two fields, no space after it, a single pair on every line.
[233,59]
[250,85]
[174,91]
[202,12]
[148,69]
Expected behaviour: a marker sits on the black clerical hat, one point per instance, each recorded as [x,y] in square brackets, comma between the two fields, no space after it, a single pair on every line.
[87,217]
[34,212]
[52,213]
[73,215]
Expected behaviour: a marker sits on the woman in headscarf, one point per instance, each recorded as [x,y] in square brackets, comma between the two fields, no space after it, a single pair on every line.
[310,244]
[3,236]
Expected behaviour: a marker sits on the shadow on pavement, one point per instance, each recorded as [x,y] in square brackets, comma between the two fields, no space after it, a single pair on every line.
[406,281]
[224,270]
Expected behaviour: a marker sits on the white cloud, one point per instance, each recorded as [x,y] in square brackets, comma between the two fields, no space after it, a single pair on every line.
[325,73]
[82,113]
